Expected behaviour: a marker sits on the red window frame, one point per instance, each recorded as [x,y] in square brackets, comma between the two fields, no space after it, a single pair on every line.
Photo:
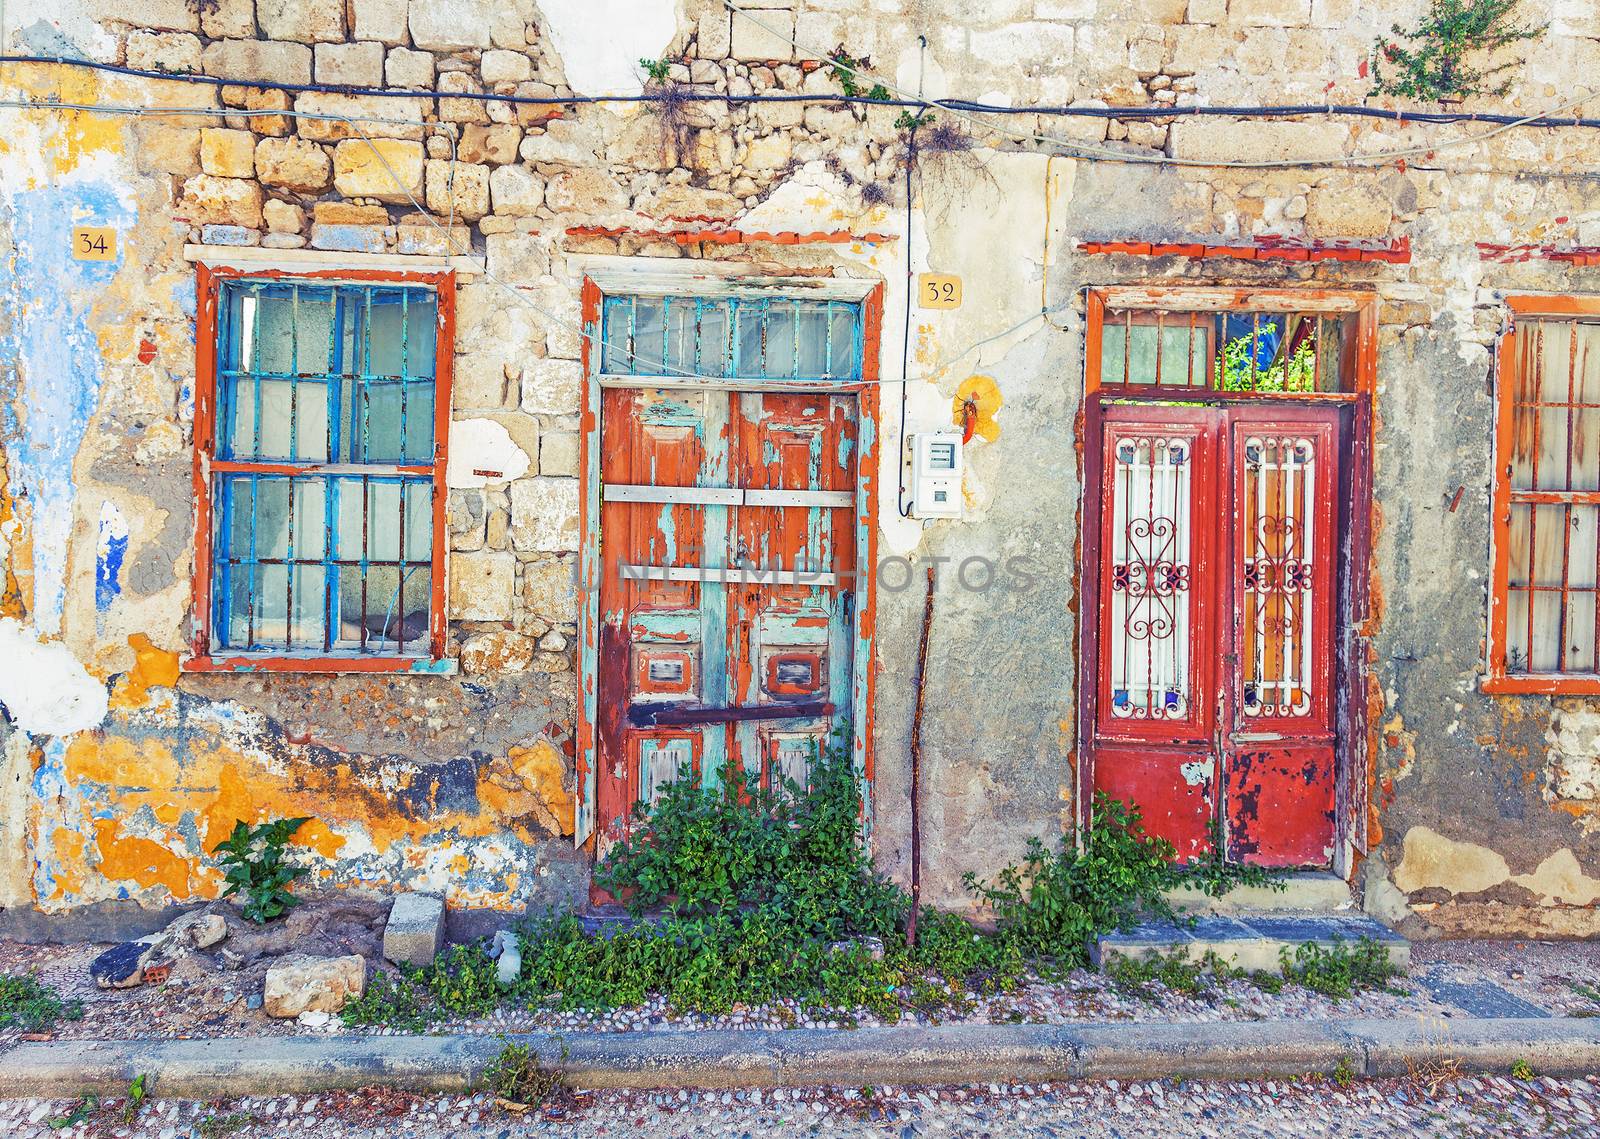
[202,658]
[1499,680]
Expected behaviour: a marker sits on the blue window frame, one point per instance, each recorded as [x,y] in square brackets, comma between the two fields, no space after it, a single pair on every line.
[323,477]
[732,338]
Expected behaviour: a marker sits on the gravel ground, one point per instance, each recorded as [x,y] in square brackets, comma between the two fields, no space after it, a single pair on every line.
[204,999]
[1429,1104]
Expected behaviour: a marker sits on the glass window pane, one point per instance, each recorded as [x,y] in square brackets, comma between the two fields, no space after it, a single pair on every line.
[649,326]
[309,599]
[748,322]
[812,341]
[713,341]
[844,358]
[419,521]
[681,326]
[400,328]
[779,339]
[618,326]
[311,421]
[244,586]
[418,422]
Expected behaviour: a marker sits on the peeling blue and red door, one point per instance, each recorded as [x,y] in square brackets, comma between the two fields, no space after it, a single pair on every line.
[734,472]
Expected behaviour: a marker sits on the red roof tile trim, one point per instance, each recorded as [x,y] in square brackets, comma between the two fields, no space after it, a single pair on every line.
[731,236]
[1573,254]
[1264,249]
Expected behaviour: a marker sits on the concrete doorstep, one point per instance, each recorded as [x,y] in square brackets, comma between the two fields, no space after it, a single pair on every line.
[905,1056]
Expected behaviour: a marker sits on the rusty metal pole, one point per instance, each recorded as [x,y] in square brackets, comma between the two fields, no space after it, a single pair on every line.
[916,767]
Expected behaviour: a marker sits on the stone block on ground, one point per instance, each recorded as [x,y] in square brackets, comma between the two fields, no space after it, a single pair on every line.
[415,931]
[299,983]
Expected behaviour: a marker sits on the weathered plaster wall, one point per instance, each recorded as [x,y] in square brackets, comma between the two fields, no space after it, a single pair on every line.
[121,771]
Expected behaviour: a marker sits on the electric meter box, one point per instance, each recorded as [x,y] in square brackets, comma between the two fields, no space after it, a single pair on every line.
[936,474]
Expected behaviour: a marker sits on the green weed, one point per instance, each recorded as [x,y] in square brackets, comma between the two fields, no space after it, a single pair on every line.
[32,1006]
[1341,970]
[252,859]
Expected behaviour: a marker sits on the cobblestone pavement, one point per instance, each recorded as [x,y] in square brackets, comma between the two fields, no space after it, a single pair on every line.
[1429,1104]
[202,998]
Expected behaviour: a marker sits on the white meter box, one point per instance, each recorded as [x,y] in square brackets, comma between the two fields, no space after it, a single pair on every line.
[936,474]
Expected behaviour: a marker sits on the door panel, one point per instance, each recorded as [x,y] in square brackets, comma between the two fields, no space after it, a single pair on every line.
[1176,791]
[1280,804]
[1280,749]
[1214,709]
[1157,619]
[709,655]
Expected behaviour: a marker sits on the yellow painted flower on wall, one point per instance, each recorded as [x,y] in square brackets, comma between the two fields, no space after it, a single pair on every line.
[975,406]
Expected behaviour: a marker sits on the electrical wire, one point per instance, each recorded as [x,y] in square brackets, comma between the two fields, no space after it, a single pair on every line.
[1352,110]
[905,344]
[1081,150]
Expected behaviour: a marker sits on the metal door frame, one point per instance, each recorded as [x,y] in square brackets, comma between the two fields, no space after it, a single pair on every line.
[603,276]
[1353,616]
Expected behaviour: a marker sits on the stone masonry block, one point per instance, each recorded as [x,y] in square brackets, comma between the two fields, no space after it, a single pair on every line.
[301,21]
[544,514]
[482,585]
[407,68]
[1271,13]
[350,65]
[163,51]
[415,931]
[227,153]
[381,20]
[753,41]
[246,60]
[228,19]
[388,169]
[451,25]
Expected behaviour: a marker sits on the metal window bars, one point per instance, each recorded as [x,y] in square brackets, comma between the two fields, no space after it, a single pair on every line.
[1553,532]
[324,467]
[774,338]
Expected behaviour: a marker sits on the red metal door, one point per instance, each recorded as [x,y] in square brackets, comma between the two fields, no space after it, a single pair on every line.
[1213,707]
[726,602]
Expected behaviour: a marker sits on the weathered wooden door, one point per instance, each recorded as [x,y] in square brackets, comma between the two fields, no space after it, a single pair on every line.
[728,588]
[1215,710]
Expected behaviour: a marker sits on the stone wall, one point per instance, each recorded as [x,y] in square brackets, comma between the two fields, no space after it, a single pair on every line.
[465,783]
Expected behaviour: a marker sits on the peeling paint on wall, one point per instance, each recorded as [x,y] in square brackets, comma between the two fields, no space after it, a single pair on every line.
[600,42]
[45,689]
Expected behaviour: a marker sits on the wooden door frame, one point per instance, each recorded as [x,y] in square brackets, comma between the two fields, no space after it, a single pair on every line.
[1353,616]
[615,276]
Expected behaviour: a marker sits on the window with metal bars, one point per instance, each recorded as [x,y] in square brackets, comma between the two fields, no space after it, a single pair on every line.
[324,469]
[1546,623]
[1278,353]
[731,337]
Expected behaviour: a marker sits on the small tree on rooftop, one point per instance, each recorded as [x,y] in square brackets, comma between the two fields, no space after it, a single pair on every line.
[1432,61]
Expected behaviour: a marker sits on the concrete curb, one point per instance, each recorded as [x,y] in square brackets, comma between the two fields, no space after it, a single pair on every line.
[1027,1053]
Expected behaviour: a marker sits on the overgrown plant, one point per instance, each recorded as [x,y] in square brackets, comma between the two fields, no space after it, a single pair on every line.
[767,896]
[1055,902]
[745,895]
[33,1006]
[849,71]
[1341,969]
[656,69]
[519,1081]
[254,866]
[795,850]
[1434,59]
[1213,875]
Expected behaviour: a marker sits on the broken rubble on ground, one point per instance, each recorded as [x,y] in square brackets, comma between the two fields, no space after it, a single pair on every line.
[301,983]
